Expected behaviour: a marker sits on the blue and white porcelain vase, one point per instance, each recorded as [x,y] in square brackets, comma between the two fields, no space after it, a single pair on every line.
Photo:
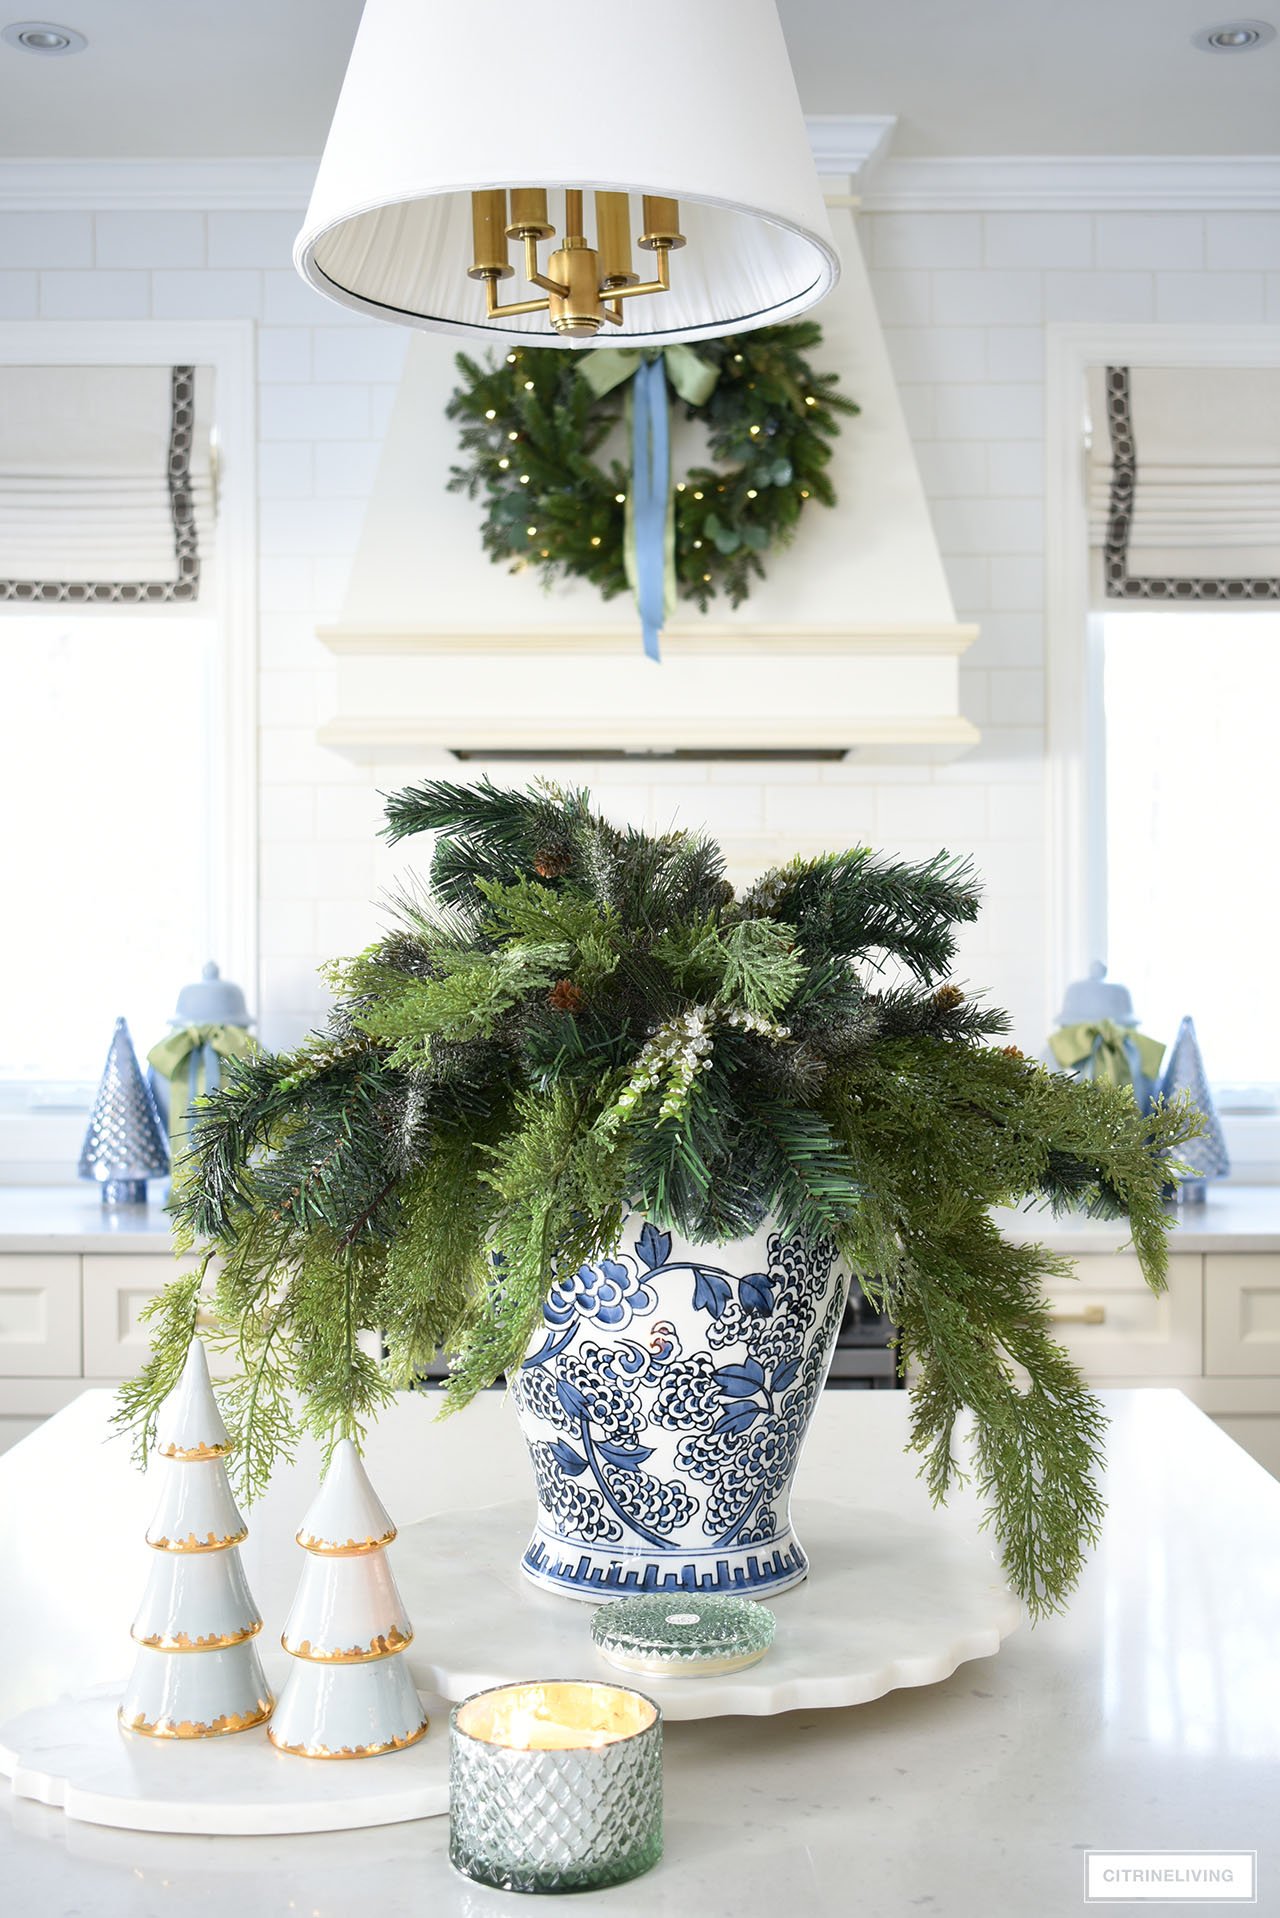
[664,1399]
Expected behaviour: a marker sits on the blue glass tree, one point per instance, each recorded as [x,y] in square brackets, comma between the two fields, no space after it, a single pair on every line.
[124,1145]
[1207,1156]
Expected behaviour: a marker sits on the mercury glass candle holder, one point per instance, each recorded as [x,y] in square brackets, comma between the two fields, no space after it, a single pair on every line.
[555,1786]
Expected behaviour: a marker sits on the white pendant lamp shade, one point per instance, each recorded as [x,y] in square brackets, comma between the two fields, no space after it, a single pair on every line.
[692,100]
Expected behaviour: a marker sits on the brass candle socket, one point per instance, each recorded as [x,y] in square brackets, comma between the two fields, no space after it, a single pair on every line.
[488,236]
[661,224]
[529,214]
[613,230]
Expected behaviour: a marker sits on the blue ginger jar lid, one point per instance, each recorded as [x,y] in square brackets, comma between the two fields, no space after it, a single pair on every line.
[211,1000]
[683,1636]
[1087,1002]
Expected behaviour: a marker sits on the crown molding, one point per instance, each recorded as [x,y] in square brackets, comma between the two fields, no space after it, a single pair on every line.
[849,145]
[136,186]
[1088,182]
[853,147]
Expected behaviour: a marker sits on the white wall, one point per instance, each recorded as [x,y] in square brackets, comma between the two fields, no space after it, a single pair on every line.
[964,298]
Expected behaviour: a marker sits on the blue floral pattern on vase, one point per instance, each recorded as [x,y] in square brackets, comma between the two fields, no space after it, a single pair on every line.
[665,1398]
[611,1293]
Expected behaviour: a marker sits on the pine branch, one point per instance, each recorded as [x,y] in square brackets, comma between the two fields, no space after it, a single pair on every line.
[858,907]
[496,818]
[972,1318]
[814,1191]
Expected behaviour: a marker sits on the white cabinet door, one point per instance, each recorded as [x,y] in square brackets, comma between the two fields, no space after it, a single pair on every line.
[1116,1327]
[117,1286]
[40,1314]
[1242,1314]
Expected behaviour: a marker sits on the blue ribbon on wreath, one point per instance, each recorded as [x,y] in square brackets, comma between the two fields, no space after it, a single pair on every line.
[650,548]
[649,498]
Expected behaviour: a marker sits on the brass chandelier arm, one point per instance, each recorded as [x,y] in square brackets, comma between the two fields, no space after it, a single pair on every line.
[495,312]
[532,273]
[662,284]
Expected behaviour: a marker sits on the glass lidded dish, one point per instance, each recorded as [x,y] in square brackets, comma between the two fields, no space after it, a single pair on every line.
[683,1637]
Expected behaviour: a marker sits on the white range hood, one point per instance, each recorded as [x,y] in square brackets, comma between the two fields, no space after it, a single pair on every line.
[850,645]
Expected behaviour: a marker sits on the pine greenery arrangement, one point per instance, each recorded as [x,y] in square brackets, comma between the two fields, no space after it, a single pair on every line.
[572,1021]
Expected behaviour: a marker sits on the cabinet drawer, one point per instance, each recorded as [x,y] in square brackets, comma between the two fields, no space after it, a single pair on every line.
[117,1286]
[1115,1327]
[40,1315]
[1242,1314]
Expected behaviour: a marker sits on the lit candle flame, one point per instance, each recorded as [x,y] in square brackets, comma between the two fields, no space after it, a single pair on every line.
[555,1717]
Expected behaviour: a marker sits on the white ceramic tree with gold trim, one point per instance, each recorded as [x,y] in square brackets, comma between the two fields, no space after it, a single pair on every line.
[349,1693]
[197,1673]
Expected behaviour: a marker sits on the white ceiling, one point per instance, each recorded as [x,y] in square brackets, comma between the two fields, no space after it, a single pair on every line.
[209,78]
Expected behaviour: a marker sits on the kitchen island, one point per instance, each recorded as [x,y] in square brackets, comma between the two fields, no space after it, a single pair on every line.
[1147,1717]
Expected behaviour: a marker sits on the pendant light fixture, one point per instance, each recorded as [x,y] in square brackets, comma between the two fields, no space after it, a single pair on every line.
[489,171]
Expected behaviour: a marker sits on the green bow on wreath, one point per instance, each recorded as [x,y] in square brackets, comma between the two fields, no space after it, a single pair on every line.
[693,378]
[533,434]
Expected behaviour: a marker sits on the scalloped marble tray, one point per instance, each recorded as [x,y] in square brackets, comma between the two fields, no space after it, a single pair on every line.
[888,1602]
[73,1754]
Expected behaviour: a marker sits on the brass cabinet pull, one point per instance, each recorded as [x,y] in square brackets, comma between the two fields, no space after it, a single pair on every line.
[1091,1315]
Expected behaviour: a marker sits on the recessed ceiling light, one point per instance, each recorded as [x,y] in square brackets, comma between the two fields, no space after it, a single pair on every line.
[1235,36]
[43,37]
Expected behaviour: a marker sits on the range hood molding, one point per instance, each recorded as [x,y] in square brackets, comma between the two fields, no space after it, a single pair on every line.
[877,693]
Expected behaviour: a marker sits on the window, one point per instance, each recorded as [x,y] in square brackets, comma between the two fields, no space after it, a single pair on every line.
[1192,895]
[106,854]
[127,707]
[1162,594]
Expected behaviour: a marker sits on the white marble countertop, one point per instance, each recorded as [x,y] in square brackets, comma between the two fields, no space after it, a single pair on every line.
[72,1218]
[1233,1218]
[1148,1716]
[54,1218]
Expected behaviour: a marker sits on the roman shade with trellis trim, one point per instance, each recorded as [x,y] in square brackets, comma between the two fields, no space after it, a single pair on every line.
[1184,484]
[107,486]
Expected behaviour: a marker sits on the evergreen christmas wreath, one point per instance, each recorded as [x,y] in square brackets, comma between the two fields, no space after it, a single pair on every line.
[533,423]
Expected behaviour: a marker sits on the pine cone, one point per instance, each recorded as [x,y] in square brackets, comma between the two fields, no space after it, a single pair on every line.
[947,998]
[564,996]
[550,865]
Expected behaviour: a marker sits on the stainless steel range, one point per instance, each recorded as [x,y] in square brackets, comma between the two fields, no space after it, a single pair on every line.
[864,1360]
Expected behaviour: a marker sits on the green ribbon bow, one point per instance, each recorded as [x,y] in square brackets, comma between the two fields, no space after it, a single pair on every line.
[1113,1050]
[694,379]
[184,1059]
